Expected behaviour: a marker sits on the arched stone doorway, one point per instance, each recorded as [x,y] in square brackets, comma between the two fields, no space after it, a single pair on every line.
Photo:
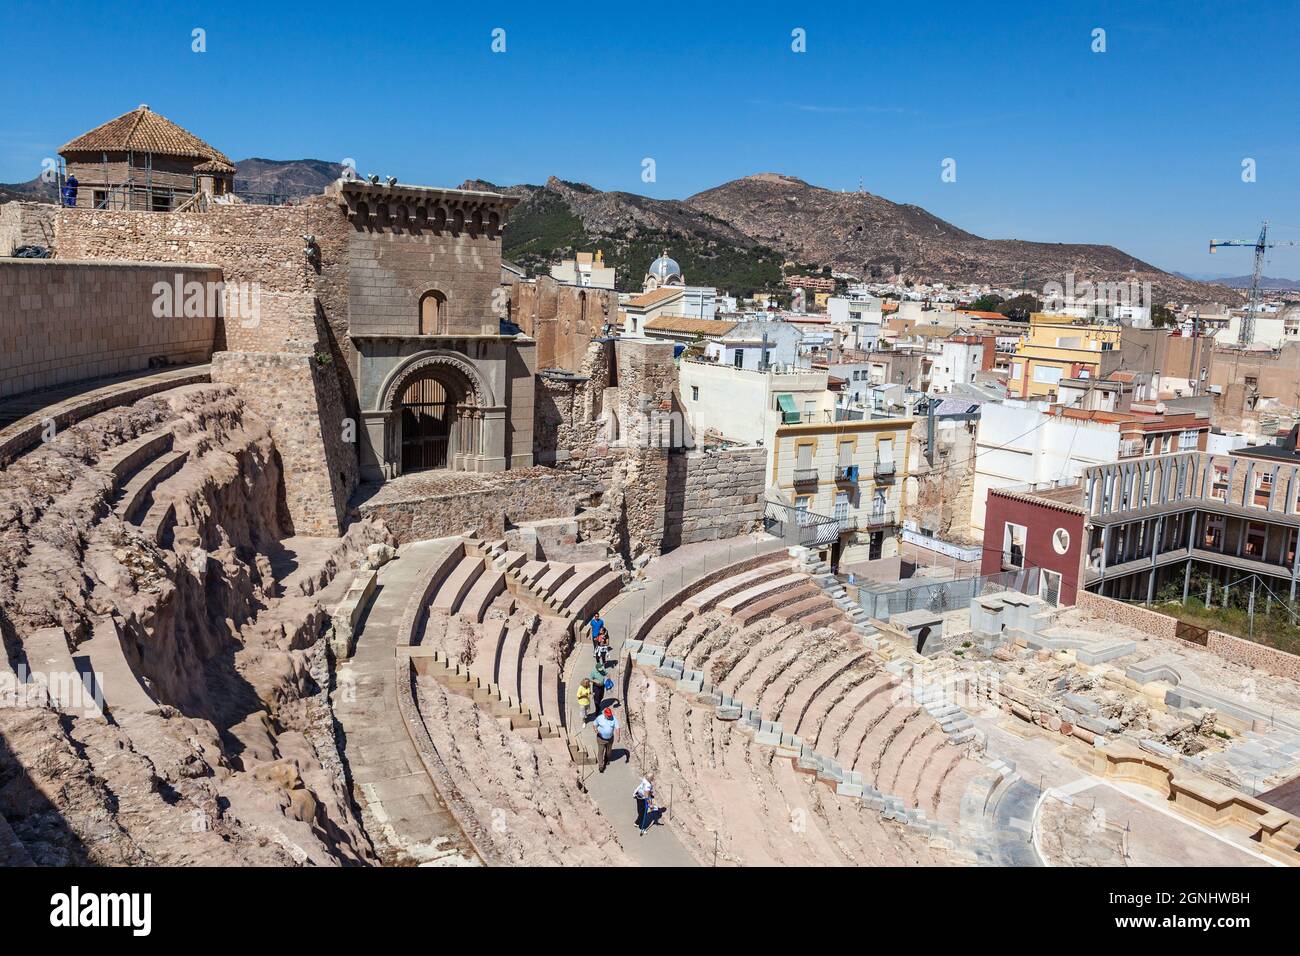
[430,413]
[436,410]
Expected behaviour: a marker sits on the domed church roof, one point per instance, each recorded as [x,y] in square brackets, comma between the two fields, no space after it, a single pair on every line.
[664,271]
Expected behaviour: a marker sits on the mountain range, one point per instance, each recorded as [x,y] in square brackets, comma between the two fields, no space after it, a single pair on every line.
[1270,283]
[737,236]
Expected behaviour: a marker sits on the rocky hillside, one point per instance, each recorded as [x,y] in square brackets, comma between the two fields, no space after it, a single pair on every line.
[562,217]
[289,178]
[870,236]
[735,236]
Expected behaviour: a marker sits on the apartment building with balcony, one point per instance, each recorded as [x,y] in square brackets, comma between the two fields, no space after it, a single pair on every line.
[1031,443]
[819,463]
[852,471]
[1160,525]
[1057,347]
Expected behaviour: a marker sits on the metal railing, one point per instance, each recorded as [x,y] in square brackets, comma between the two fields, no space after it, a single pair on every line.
[876,518]
[940,597]
[804,476]
[799,526]
[885,469]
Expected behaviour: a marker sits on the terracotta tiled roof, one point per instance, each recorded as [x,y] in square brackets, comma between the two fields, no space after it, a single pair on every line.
[685,325]
[647,299]
[146,131]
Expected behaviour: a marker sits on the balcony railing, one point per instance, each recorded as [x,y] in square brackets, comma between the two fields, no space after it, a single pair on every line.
[800,526]
[876,518]
[804,476]
[885,469]
[847,473]
[1131,448]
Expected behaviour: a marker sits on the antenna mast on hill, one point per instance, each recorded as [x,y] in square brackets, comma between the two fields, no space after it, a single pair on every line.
[1246,334]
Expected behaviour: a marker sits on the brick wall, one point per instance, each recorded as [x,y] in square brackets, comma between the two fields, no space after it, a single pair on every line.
[66,321]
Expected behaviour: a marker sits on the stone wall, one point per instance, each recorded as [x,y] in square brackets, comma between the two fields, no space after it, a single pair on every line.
[256,247]
[67,321]
[569,407]
[26,224]
[299,398]
[390,270]
[299,311]
[1130,615]
[1241,651]
[564,319]
[713,496]
[1227,646]
[511,496]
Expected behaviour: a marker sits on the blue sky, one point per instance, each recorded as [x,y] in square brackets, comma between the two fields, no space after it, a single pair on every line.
[1140,146]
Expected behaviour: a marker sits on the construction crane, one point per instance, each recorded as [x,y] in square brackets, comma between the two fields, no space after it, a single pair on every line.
[1246,334]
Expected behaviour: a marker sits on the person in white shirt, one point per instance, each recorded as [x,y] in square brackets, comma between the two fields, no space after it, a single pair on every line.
[645,803]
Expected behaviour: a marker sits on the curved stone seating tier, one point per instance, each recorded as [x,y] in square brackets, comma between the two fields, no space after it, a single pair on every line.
[764,680]
[474,620]
[763,811]
[480,597]
[524,790]
[574,591]
[138,492]
[706,599]
[777,585]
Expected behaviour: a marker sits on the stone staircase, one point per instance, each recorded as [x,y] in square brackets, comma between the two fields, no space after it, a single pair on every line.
[575,591]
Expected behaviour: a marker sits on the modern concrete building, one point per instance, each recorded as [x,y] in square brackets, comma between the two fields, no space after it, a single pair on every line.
[1168,525]
[1026,443]
[755,345]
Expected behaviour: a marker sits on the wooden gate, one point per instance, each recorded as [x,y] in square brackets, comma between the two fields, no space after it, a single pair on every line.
[427,412]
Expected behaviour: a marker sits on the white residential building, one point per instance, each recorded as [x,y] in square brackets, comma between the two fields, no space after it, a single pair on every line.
[585,269]
[961,357]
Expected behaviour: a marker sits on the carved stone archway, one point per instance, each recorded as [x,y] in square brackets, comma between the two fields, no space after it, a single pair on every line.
[474,424]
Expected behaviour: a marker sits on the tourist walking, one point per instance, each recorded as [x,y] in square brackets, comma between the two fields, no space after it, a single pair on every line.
[597,678]
[645,803]
[602,649]
[597,628]
[606,733]
[585,699]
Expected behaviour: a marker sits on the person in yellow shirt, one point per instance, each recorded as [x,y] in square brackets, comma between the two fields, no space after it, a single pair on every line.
[585,699]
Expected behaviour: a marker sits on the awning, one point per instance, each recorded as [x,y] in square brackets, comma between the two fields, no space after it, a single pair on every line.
[789,414]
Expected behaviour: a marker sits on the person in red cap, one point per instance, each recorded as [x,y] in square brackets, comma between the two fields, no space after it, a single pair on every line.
[606,733]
